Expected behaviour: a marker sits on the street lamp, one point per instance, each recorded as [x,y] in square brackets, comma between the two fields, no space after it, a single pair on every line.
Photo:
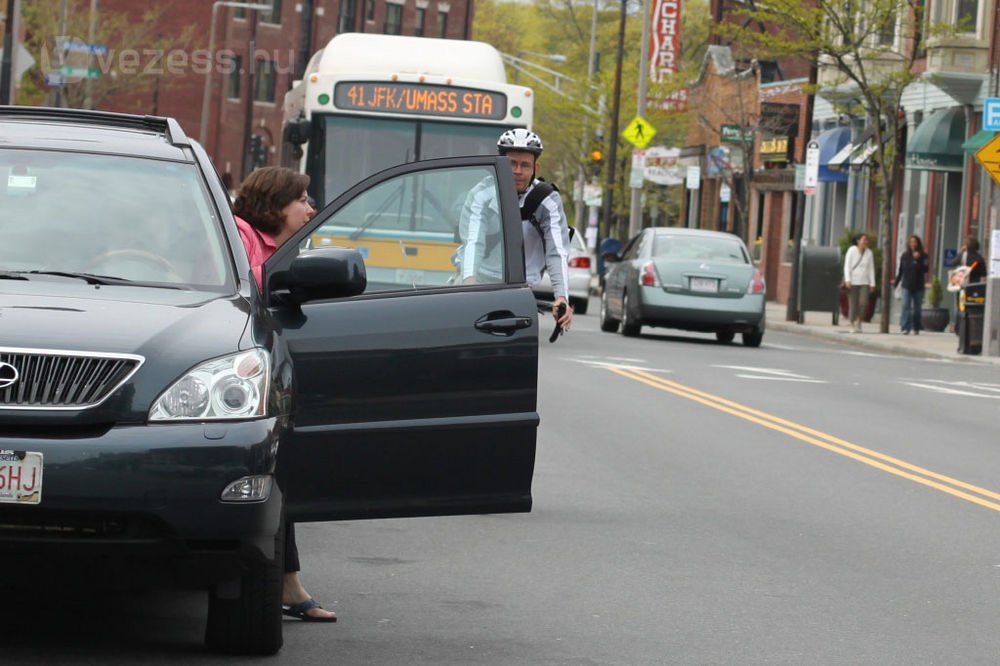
[206,95]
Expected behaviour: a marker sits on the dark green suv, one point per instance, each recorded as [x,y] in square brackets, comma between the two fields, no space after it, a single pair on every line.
[161,417]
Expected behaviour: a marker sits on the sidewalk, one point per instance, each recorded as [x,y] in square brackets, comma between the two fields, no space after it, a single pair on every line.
[926,345]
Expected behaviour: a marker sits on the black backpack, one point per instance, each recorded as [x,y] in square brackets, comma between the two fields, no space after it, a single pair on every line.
[531,203]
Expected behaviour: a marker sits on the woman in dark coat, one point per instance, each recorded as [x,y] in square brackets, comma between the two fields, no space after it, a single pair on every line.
[911,276]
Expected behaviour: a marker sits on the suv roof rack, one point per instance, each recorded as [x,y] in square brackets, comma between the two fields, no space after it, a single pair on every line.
[169,127]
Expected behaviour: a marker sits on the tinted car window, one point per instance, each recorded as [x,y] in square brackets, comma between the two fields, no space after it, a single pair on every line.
[700,247]
[143,220]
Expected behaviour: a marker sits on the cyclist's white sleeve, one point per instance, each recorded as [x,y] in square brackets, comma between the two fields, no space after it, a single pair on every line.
[552,219]
[479,201]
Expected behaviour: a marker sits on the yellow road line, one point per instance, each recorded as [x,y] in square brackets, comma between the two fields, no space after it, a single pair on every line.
[869,457]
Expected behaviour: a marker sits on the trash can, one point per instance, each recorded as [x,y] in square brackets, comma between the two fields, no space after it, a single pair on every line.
[819,280]
[971,311]
[607,245]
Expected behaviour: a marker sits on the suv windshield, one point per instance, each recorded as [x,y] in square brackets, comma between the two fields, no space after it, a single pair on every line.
[138,220]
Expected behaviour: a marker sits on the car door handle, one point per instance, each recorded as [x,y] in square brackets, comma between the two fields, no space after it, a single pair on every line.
[505,323]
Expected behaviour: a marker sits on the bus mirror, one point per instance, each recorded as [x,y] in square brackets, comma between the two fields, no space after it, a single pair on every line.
[297,132]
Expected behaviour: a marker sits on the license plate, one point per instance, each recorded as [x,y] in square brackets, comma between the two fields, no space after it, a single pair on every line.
[705,284]
[410,276]
[20,477]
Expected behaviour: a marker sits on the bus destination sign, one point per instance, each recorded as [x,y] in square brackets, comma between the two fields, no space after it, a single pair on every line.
[420,99]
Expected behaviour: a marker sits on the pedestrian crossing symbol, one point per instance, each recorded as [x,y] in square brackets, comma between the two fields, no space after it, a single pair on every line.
[639,132]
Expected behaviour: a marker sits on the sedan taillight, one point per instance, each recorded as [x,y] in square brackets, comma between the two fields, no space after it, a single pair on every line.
[757,284]
[579,262]
[649,278]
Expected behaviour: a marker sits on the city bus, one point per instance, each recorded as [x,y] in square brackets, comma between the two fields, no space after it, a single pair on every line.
[368,102]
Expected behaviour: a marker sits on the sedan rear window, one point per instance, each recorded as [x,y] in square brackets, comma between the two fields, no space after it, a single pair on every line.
[137,220]
[703,248]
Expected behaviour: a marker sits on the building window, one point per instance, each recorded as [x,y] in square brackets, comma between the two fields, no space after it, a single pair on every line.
[393,19]
[442,30]
[233,79]
[346,22]
[240,13]
[273,16]
[418,21]
[370,11]
[887,32]
[967,16]
[264,81]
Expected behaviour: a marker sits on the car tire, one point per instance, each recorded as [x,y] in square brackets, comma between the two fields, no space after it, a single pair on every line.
[250,624]
[608,325]
[579,305]
[753,338]
[630,324]
[725,337]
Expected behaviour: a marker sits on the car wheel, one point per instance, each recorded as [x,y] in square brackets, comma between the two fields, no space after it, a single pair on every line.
[630,324]
[251,623]
[753,338]
[608,325]
[579,305]
[725,337]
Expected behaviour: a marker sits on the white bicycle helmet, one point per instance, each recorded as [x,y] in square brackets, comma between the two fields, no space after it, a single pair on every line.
[520,139]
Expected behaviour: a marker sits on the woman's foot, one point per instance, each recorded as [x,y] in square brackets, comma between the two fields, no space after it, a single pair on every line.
[297,602]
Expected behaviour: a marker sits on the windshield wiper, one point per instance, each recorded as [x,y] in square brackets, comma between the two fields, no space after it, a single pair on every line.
[91,278]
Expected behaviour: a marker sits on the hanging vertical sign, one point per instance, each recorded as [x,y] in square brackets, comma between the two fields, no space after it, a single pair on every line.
[664,51]
[812,168]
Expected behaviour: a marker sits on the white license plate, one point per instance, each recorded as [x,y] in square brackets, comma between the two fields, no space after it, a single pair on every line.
[705,284]
[20,477]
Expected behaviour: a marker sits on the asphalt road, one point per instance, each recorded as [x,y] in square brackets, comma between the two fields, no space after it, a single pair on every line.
[695,503]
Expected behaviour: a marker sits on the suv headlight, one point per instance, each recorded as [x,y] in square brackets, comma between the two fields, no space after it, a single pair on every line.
[231,387]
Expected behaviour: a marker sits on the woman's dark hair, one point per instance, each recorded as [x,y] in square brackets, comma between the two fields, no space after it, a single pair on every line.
[920,243]
[858,237]
[264,194]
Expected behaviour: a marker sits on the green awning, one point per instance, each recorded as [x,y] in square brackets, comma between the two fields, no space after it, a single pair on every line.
[978,140]
[937,143]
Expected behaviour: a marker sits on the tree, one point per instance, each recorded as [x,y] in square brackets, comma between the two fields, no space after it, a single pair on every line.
[867,59]
[139,59]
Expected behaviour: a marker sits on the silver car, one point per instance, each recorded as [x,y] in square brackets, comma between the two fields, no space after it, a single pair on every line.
[691,279]
[580,273]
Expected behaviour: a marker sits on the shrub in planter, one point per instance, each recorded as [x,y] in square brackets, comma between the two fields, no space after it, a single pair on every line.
[935,317]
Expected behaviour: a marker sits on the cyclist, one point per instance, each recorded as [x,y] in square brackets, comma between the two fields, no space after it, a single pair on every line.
[543,224]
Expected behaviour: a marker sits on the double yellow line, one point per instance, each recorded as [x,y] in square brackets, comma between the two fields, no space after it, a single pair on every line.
[895,466]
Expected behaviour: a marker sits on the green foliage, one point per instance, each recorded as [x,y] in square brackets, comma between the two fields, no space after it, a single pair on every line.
[934,294]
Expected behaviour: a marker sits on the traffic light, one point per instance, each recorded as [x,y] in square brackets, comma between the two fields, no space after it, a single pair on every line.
[258,151]
[596,160]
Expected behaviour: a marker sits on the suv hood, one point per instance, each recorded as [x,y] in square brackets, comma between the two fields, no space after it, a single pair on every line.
[172,330]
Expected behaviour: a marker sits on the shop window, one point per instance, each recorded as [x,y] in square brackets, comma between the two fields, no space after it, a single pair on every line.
[234,76]
[418,21]
[264,81]
[393,19]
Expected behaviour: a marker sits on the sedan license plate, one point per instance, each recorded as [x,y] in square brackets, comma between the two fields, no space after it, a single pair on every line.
[710,285]
[20,477]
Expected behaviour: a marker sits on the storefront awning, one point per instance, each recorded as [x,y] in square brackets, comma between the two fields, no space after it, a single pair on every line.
[847,155]
[831,142]
[978,140]
[937,143]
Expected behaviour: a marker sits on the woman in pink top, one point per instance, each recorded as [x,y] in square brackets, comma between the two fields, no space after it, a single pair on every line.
[272,204]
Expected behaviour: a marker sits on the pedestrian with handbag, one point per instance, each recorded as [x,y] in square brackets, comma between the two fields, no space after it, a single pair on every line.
[859,279]
[912,274]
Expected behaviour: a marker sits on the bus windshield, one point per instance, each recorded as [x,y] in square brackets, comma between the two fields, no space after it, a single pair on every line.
[354,147]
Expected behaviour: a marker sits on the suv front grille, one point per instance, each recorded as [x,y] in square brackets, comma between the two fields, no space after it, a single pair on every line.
[48,379]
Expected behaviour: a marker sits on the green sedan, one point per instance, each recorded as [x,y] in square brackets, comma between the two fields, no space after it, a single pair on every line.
[689,279]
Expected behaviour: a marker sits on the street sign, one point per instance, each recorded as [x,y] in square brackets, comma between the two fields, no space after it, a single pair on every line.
[812,168]
[991,114]
[639,132]
[83,47]
[989,157]
[80,72]
[694,178]
[636,174]
[592,195]
[54,79]
[732,134]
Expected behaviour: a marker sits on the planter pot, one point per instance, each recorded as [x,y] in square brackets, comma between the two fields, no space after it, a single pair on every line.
[934,319]
[869,312]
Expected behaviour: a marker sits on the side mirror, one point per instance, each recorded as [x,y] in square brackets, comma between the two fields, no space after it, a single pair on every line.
[328,272]
[297,132]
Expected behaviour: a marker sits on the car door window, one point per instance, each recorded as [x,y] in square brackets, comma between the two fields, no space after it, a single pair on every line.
[631,250]
[424,230]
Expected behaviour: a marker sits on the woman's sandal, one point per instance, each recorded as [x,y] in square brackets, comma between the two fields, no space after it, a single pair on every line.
[301,611]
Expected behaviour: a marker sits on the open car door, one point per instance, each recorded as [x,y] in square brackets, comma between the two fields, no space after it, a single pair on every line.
[418,396]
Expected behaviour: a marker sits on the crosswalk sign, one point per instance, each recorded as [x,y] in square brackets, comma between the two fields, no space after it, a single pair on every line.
[639,132]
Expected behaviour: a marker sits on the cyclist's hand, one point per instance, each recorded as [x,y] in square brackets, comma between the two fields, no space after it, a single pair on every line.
[566,316]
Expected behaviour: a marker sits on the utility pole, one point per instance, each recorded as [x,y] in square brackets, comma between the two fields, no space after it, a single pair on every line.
[586,139]
[7,63]
[60,56]
[609,189]
[792,308]
[635,209]
[88,83]
[248,109]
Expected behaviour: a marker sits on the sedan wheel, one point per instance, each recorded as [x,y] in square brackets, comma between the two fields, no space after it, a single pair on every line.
[753,338]
[630,325]
[608,325]
[725,337]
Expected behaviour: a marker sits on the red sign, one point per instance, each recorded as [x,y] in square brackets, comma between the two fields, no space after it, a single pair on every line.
[664,52]
[664,39]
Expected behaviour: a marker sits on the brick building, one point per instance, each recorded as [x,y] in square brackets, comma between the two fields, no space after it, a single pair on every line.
[245,102]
